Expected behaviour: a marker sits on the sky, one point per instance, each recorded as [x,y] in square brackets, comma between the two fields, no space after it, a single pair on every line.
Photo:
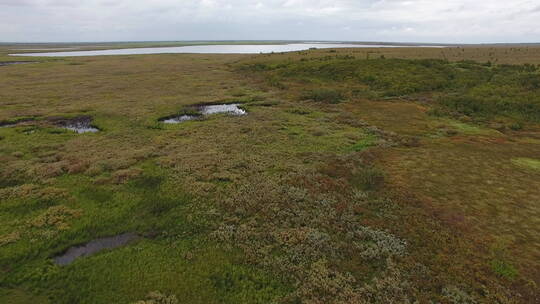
[438,21]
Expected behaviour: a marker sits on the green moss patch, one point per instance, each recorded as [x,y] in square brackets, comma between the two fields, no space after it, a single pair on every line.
[529,163]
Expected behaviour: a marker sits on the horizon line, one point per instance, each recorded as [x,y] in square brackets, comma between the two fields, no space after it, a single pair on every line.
[268,40]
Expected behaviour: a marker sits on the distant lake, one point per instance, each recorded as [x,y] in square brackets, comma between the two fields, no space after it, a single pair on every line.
[213,49]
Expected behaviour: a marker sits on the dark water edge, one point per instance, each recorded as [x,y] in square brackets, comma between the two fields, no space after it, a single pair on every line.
[5,63]
[81,124]
[94,247]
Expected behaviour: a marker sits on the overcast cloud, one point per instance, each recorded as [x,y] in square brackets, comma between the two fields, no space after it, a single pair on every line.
[446,21]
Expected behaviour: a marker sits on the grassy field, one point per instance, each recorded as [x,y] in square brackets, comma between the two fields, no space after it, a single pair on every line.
[358,176]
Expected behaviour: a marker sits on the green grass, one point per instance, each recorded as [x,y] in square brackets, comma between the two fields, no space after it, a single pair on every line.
[128,274]
[529,163]
[504,269]
[365,143]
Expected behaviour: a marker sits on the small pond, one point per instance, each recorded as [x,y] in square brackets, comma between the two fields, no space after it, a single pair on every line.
[81,124]
[179,119]
[81,128]
[205,110]
[232,109]
[94,247]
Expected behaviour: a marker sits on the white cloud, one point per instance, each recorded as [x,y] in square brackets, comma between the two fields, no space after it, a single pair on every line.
[362,20]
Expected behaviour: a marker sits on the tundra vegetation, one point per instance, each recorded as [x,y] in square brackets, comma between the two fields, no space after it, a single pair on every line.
[400,175]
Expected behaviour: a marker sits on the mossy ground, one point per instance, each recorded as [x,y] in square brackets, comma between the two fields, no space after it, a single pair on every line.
[310,201]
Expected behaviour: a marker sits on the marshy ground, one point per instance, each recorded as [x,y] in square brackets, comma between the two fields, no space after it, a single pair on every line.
[356,177]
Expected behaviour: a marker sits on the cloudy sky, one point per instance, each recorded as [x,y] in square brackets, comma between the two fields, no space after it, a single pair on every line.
[460,21]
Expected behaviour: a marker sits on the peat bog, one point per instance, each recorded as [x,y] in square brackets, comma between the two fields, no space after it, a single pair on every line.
[382,175]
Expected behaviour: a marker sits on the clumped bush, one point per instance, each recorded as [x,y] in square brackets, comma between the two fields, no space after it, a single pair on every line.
[55,217]
[51,170]
[391,287]
[94,170]
[368,178]
[147,182]
[76,167]
[323,95]
[516,126]
[276,83]
[323,285]
[31,191]
[9,238]
[374,244]
[462,88]
[123,176]
[157,205]
[17,154]
[300,111]
[457,296]
[288,226]
[156,297]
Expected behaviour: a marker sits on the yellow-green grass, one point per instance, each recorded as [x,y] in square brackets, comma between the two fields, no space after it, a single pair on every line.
[527,163]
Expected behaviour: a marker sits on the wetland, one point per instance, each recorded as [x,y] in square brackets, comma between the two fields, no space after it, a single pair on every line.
[345,175]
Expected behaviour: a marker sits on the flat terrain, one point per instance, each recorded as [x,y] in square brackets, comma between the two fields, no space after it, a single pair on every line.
[358,176]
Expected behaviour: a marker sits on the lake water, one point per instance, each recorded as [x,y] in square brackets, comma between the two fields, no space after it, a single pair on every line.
[211,49]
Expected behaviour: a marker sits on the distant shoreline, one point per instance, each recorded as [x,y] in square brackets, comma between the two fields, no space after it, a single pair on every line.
[212,49]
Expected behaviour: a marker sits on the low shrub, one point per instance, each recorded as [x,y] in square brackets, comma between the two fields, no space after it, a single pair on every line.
[9,238]
[323,95]
[455,295]
[156,297]
[375,244]
[294,225]
[55,218]
[124,175]
[461,88]
[368,178]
